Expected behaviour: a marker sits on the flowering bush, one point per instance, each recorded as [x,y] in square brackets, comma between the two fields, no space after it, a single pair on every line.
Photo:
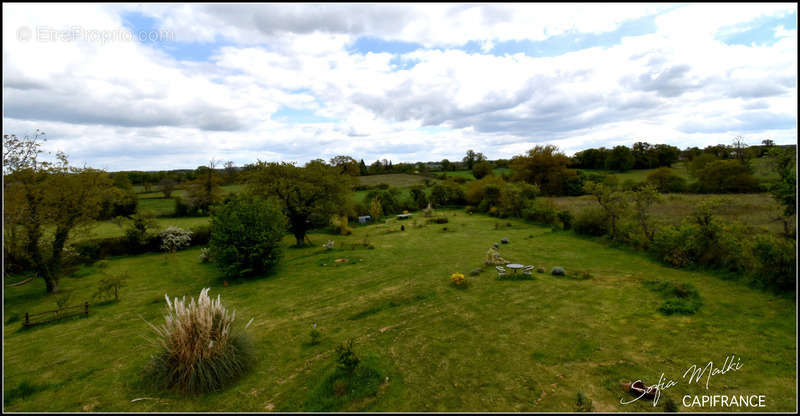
[458,279]
[205,255]
[175,238]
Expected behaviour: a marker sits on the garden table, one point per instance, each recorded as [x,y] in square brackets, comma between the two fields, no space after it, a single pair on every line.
[515,267]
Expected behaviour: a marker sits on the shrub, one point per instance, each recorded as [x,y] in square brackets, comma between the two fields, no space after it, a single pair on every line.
[175,238]
[346,358]
[504,240]
[542,211]
[670,405]
[475,272]
[666,180]
[776,265]
[201,349]
[726,176]
[246,235]
[566,219]
[592,221]
[437,220]
[583,403]
[680,298]
[110,286]
[557,271]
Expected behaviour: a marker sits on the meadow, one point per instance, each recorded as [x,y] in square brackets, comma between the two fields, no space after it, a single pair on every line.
[496,345]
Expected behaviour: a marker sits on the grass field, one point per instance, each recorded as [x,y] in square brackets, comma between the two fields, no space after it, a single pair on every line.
[399,180]
[495,346]
[640,175]
[757,210]
[468,173]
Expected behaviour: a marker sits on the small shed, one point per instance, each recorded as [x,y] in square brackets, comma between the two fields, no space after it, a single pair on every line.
[365,219]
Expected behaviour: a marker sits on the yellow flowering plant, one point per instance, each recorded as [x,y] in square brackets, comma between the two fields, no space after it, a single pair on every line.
[458,279]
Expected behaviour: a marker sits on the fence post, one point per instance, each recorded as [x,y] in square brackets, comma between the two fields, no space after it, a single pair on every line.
[27,321]
[86,308]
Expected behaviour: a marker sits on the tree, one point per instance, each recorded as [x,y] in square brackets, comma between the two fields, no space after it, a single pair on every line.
[546,167]
[347,165]
[726,176]
[204,191]
[611,200]
[362,168]
[166,186]
[699,162]
[784,189]
[620,159]
[481,169]
[44,194]
[308,196]
[246,233]
[375,209]
[471,158]
[446,165]
[738,148]
[643,198]
[230,172]
[768,142]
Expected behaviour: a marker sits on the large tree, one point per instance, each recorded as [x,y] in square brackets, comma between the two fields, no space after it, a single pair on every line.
[545,167]
[347,165]
[620,159]
[204,191]
[308,195]
[43,195]
[472,158]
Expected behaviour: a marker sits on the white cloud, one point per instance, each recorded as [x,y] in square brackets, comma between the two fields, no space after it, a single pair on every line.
[125,105]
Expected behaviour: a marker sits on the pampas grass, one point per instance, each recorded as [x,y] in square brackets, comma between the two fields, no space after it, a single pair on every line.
[200,349]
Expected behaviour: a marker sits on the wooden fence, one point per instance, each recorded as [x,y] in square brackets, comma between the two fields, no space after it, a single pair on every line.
[55,315]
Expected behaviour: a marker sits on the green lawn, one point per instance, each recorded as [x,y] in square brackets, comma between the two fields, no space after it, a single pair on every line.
[468,173]
[495,346]
[157,204]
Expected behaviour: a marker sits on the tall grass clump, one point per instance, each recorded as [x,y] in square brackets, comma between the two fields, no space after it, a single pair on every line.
[201,349]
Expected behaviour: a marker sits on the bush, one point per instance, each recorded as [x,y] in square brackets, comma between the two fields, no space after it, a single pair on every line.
[583,403]
[776,265]
[110,286]
[726,176]
[542,211]
[346,358]
[666,180]
[175,238]
[680,298]
[566,219]
[592,221]
[437,220]
[201,349]
[246,233]
[475,272]
[557,271]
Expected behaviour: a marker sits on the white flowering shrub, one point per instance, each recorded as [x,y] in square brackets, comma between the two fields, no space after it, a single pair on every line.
[205,255]
[200,350]
[175,238]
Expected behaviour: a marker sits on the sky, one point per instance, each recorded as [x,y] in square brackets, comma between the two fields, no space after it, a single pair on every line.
[171,86]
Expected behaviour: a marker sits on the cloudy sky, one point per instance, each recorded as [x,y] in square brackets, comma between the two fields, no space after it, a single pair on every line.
[172,86]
